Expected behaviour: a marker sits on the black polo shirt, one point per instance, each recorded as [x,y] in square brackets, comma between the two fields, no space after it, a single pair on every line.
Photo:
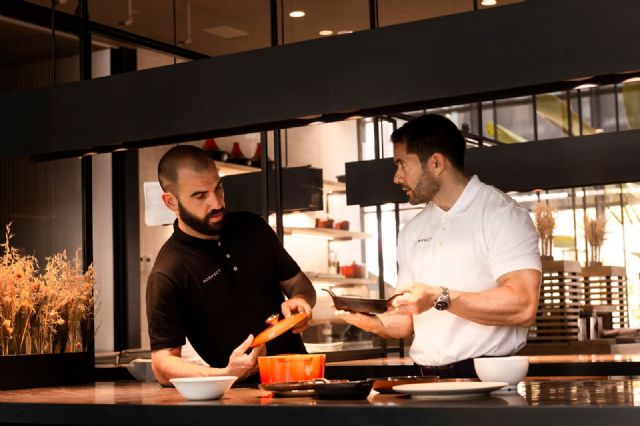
[217,292]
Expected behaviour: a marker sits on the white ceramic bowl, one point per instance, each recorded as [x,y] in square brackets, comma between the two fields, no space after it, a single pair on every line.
[510,369]
[201,388]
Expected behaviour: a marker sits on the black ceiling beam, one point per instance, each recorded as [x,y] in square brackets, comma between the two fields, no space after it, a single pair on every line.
[605,158]
[601,159]
[520,48]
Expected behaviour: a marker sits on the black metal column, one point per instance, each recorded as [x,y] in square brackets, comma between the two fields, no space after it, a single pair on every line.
[277,148]
[126,230]
[264,161]
[86,166]
[86,163]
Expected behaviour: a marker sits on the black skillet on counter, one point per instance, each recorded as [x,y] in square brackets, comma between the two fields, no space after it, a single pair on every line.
[343,389]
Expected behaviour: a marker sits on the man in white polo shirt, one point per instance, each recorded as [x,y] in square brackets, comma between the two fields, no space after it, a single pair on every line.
[469,262]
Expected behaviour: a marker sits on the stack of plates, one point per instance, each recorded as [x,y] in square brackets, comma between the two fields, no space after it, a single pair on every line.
[323,347]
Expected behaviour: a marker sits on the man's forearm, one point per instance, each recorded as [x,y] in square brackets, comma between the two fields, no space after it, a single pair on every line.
[173,366]
[513,303]
[300,286]
[498,306]
[384,325]
[395,326]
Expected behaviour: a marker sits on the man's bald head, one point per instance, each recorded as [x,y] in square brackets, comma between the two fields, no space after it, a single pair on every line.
[182,156]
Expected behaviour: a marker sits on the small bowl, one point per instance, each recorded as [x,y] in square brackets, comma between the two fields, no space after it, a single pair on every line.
[201,388]
[141,369]
[510,369]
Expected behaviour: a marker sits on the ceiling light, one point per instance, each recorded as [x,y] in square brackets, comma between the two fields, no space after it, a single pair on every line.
[489,2]
[632,80]
[586,86]
[326,33]
[296,14]
[345,32]
[309,117]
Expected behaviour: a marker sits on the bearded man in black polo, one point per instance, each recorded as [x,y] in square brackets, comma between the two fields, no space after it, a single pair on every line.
[217,278]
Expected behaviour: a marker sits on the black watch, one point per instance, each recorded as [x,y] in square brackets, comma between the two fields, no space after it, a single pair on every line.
[443,301]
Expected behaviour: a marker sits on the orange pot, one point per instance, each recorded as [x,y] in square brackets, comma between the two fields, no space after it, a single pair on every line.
[355,270]
[290,368]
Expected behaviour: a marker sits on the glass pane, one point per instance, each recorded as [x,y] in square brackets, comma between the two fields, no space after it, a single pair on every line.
[599,108]
[27,54]
[322,19]
[552,115]
[399,11]
[464,116]
[629,104]
[221,27]
[42,201]
[515,120]
[148,19]
[631,207]
[68,6]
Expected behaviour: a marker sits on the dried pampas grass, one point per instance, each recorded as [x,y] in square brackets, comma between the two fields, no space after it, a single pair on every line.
[44,312]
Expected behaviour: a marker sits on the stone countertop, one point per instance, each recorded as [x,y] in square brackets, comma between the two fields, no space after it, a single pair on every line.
[535,402]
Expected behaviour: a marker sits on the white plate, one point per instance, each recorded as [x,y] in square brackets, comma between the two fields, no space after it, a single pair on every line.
[449,390]
[323,347]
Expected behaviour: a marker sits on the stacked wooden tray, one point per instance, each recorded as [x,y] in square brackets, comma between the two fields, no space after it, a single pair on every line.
[607,285]
[561,295]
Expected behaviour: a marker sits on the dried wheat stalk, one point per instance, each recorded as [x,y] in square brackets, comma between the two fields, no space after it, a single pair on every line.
[594,230]
[545,222]
[44,312]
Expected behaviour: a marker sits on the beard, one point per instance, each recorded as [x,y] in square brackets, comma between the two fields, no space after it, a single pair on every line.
[425,190]
[202,225]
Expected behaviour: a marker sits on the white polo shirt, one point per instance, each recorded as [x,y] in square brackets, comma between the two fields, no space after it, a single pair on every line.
[483,236]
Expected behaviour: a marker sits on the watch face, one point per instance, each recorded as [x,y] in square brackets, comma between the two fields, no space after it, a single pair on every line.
[441,305]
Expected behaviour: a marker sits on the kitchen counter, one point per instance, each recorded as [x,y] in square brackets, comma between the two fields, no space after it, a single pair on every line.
[539,366]
[551,402]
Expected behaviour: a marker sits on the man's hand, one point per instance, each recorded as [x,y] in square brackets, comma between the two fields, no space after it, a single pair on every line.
[297,304]
[415,299]
[369,323]
[244,364]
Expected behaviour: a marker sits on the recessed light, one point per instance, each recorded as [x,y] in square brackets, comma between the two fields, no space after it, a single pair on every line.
[326,33]
[345,32]
[296,14]
[226,31]
[489,2]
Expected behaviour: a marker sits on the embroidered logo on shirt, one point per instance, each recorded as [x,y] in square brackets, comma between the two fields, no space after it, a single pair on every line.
[423,240]
[212,276]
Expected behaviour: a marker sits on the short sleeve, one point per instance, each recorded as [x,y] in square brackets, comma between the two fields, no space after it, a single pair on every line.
[284,264]
[512,241]
[165,312]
